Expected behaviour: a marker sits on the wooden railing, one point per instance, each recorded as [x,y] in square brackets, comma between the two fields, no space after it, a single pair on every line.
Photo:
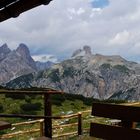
[11,135]
[47,106]
[41,125]
[126,129]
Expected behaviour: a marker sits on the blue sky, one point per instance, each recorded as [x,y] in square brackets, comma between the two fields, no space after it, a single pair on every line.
[110,27]
[100,3]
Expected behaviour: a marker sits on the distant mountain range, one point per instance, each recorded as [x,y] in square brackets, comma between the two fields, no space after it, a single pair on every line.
[18,62]
[91,75]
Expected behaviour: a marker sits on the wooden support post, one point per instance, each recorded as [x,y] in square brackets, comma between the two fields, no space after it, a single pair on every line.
[47,112]
[127,124]
[41,129]
[79,123]
[134,125]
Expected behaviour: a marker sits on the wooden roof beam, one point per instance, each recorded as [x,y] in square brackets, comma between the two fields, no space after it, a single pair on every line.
[19,7]
[5,3]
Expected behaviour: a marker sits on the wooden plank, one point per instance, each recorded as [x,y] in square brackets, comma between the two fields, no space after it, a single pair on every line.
[29,122]
[11,135]
[47,112]
[4,125]
[28,116]
[34,92]
[113,133]
[43,138]
[19,7]
[37,116]
[4,3]
[66,134]
[79,123]
[121,112]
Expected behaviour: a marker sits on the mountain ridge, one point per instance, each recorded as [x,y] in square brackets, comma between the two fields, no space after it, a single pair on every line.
[93,75]
[15,63]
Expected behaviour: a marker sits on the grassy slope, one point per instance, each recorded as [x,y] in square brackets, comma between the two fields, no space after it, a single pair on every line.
[62,104]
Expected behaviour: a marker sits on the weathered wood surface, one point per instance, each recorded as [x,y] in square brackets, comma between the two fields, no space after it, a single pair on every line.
[127,114]
[47,112]
[36,92]
[4,125]
[113,132]
[17,7]
[19,133]
[121,112]
[43,138]
[37,116]
[29,122]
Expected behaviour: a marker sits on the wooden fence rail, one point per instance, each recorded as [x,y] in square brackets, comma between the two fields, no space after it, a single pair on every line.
[47,105]
[41,121]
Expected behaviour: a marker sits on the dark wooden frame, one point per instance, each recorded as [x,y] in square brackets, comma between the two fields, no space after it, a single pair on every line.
[47,107]
[4,125]
[128,116]
[13,8]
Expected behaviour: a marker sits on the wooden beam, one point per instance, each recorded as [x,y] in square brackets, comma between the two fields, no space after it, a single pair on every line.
[37,116]
[121,112]
[36,92]
[28,116]
[4,125]
[47,112]
[19,7]
[79,123]
[4,3]
[113,132]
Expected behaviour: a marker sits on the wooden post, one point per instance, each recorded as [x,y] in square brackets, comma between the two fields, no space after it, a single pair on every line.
[41,129]
[134,124]
[79,123]
[128,124]
[47,112]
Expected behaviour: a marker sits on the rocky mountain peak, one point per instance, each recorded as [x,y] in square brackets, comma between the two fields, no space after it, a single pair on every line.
[86,51]
[4,46]
[100,77]
[4,51]
[15,63]
[24,52]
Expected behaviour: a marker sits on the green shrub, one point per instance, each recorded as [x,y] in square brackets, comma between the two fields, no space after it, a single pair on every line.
[1,108]
[122,68]
[28,99]
[57,99]
[15,96]
[54,75]
[31,107]
[106,66]
[68,72]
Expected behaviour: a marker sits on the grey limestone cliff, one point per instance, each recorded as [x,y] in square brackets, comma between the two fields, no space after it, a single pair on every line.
[97,76]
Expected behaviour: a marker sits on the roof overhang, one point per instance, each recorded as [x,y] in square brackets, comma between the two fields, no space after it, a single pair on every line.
[13,8]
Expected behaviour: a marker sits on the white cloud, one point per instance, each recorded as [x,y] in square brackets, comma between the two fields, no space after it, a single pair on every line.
[45,58]
[121,38]
[64,25]
[72,11]
[80,11]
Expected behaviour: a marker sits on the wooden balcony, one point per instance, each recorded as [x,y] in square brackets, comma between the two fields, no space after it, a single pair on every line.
[128,115]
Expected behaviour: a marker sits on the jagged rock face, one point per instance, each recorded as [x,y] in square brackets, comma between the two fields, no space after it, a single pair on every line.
[24,52]
[43,65]
[97,76]
[86,51]
[15,63]
[4,51]
[12,67]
